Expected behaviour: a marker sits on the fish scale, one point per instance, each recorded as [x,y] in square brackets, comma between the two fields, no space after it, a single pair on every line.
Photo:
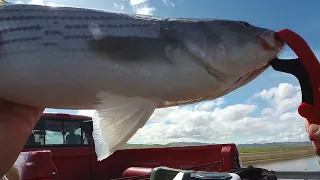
[123,65]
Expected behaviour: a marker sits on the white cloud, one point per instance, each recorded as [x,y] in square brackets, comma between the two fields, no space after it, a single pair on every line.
[137,2]
[118,7]
[266,111]
[142,7]
[281,98]
[209,105]
[168,3]
[208,122]
[145,10]
[138,6]
[36,2]
[86,112]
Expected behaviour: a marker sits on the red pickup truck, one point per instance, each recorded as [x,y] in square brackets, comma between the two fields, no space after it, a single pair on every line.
[65,140]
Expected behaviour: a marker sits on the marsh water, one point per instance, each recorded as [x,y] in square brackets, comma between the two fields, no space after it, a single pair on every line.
[300,164]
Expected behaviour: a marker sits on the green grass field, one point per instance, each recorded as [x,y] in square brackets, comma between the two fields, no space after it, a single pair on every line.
[141,146]
[270,149]
[242,150]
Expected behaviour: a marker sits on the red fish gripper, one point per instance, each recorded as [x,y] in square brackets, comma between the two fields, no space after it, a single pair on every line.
[306,69]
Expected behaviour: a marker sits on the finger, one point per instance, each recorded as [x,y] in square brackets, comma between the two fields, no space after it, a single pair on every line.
[314,132]
[306,125]
[316,147]
[16,124]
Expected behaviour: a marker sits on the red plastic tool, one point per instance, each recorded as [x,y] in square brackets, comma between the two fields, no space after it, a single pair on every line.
[306,68]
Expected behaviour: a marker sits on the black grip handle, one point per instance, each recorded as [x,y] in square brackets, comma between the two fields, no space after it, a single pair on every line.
[296,68]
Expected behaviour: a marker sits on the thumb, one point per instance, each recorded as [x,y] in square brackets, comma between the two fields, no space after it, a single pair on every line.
[314,132]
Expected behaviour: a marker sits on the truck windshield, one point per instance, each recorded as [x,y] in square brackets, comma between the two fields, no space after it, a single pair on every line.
[57,132]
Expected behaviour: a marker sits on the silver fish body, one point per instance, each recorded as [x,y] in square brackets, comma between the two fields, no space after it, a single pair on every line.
[123,65]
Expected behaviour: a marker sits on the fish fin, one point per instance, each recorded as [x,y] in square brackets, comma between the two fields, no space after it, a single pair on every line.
[117,119]
[133,48]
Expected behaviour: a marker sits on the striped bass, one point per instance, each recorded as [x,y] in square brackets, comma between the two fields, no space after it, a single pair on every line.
[122,65]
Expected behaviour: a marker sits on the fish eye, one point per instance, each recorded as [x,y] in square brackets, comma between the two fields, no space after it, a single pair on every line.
[246,25]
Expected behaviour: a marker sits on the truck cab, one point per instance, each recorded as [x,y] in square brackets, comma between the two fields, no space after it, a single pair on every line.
[59,130]
[68,139]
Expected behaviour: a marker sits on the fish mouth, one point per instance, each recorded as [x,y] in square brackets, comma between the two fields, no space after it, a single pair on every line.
[269,41]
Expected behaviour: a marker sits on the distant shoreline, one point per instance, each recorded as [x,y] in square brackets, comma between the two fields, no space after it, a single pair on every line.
[239,146]
[252,156]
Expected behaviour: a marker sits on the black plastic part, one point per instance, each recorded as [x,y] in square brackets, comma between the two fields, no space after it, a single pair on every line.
[296,68]
[87,127]
[209,175]
[165,173]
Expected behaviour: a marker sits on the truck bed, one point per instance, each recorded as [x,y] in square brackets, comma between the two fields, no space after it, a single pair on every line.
[74,162]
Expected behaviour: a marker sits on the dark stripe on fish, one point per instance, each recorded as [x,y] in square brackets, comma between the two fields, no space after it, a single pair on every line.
[134,48]
[23,8]
[37,12]
[79,26]
[20,40]
[22,28]
[19,18]
[73,37]
[5,54]
[47,44]
[53,32]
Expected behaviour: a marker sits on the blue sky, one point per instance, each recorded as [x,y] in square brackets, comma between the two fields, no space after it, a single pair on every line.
[268,103]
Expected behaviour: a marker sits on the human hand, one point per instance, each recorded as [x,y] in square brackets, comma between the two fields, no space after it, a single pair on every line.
[16,124]
[314,135]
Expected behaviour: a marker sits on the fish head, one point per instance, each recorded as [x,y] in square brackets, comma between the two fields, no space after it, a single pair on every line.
[230,47]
